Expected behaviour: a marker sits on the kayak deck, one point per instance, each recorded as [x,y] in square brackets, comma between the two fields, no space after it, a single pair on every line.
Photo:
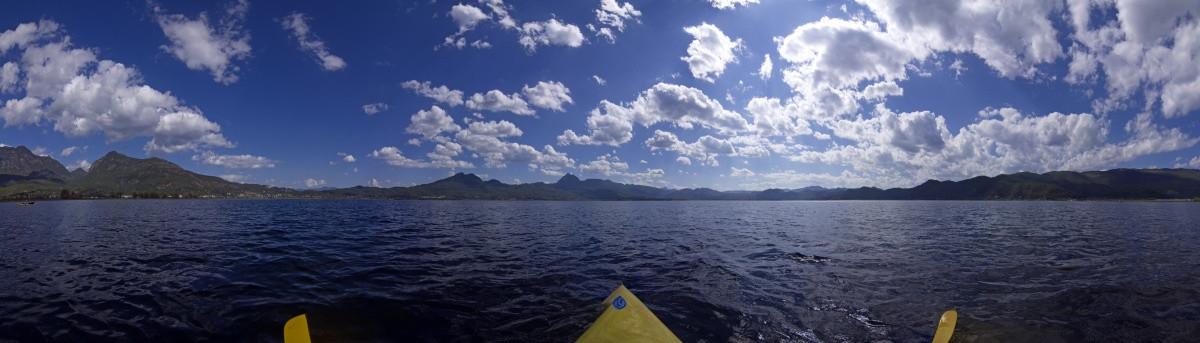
[626,319]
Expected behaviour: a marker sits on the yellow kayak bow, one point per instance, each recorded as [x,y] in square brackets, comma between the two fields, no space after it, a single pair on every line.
[626,319]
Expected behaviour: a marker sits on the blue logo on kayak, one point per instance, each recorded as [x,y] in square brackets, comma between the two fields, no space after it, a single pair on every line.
[619,302]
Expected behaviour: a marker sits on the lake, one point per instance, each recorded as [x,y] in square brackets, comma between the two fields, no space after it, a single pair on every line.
[713,271]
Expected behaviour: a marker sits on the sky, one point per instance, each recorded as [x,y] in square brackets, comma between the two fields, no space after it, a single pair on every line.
[725,94]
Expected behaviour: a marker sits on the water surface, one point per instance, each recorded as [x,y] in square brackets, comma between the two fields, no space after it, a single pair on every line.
[832,271]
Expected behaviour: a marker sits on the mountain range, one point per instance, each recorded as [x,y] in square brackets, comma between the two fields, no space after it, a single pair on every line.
[24,175]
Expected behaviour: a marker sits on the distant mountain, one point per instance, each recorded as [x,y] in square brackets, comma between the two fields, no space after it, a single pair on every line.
[117,173]
[76,174]
[24,175]
[1095,185]
[20,161]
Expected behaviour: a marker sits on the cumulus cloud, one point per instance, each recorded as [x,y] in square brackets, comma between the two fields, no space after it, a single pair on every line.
[79,95]
[740,172]
[500,12]
[431,123]
[71,150]
[374,108]
[549,95]
[683,106]
[497,101]
[483,138]
[764,71]
[614,14]
[201,45]
[239,178]
[9,77]
[1010,36]
[774,118]
[442,93]
[467,16]
[1147,46]
[917,145]
[80,164]
[441,157]
[731,4]
[549,32]
[710,51]
[297,23]
[348,158]
[706,149]
[607,165]
[314,183]
[234,161]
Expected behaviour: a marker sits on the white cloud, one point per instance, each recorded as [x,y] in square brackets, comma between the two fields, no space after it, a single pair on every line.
[740,172]
[496,101]
[837,53]
[431,123]
[916,146]
[1194,163]
[40,151]
[683,106]
[82,95]
[549,95]
[705,150]
[374,108]
[239,178]
[1010,36]
[9,76]
[684,160]
[234,161]
[731,4]
[710,51]
[467,16]
[314,183]
[27,33]
[613,13]
[500,12]
[80,164]
[348,158]
[442,93]
[71,150]
[483,138]
[1147,46]
[298,24]
[599,80]
[201,46]
[764,71]
[773,118]
[607,165]
[550,32]
[374,183]
[441,157]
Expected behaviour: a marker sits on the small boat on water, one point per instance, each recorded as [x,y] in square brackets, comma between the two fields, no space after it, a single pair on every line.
[25,203]
[625,319]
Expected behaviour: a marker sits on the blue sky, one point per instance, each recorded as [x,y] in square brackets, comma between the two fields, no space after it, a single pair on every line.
[666,93]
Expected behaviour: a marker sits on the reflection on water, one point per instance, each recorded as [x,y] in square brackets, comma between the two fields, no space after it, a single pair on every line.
[236,270]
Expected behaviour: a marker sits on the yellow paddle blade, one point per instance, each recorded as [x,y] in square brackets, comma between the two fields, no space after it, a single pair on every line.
[945,327]
[626,319]
[296,330]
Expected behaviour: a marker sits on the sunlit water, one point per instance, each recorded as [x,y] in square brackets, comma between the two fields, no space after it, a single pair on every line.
[236,270]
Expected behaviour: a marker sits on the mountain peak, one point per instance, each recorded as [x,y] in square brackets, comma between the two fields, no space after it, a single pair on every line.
[469,179]
[568,179]
[23,162]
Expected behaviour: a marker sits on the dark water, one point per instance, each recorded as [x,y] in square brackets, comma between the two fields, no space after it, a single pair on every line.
[236,270]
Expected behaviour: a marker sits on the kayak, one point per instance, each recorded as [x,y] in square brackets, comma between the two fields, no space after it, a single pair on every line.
[25,203]
[625,319]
